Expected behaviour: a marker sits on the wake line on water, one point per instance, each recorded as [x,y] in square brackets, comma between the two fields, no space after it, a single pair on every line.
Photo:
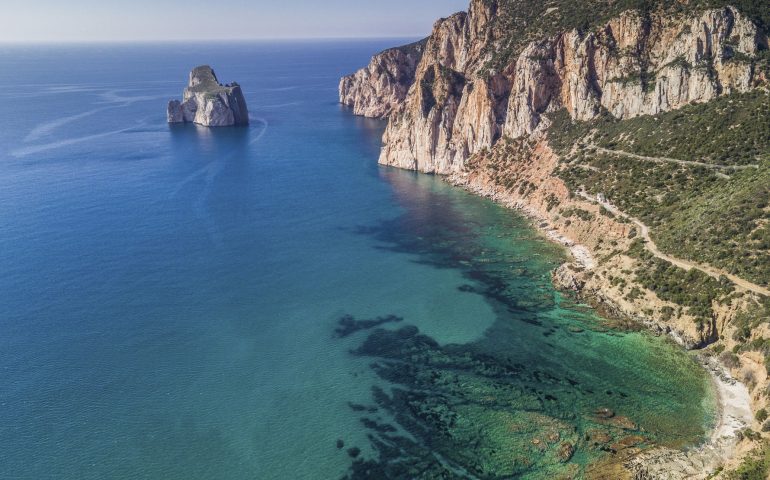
[48,127]
[279,105]
[26,151]
[50,91]
[201,212]
[281,89]
[113,96]
[211,171]
[188,179]
[191,177]
[110,97]
[265,124]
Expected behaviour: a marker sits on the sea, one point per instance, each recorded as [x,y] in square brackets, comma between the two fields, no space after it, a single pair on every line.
[266,302]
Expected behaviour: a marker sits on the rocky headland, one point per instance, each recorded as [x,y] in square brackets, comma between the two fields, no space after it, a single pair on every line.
[377,90]
[207,102]
[492,100]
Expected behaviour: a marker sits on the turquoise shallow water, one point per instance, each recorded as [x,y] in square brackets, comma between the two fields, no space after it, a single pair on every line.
[169,296]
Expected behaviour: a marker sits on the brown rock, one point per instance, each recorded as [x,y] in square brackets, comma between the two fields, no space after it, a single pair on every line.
[599,437]
[565,452]
[623,422]
[605,413]
[628,442]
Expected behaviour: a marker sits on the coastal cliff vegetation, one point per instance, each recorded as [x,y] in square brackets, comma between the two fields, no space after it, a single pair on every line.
[533,20]
[717,216]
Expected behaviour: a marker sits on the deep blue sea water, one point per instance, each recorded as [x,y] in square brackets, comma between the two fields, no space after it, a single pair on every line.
[169,295]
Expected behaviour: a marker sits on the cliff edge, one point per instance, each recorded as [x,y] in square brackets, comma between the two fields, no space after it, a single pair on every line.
[476,82]
[207,102]
[381,87]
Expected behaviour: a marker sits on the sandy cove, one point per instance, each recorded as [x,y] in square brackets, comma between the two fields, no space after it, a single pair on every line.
[734,409]
[722,447]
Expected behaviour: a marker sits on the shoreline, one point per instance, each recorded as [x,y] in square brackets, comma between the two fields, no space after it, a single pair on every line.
[733,407]
[733,401]
[734,411]
[700,462]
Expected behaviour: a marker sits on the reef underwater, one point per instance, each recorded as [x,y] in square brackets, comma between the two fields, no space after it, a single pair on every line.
[551,389]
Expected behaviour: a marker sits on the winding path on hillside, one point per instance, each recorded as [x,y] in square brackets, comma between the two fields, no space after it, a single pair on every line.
[685,264]
[671,160]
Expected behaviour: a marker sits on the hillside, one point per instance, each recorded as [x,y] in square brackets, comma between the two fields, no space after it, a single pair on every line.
[715,213]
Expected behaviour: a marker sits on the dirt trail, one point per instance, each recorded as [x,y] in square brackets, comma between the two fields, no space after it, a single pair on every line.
[672,160]
[685,264]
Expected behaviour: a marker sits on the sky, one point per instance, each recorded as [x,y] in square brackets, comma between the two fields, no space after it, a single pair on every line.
[169,20]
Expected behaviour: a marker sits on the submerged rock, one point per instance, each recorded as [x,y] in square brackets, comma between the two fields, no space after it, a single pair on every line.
[605,413]
[348,325]
[566,451]
[209,103]
[354,452]
[598,437]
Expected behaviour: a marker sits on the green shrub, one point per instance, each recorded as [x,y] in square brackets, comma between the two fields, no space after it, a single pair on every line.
[755,467]
[761,415]
[694,212]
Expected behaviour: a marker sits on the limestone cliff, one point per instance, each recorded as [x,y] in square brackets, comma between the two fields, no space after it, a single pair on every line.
[207,102]
[633,64]
[381,87]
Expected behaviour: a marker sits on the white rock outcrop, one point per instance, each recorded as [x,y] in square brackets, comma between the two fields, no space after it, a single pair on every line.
[207,102]
[630,66]
[379,88]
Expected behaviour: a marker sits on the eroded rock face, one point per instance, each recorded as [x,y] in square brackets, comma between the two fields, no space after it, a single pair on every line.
[631,66]
[635,66]
[376,90]
[209,103]
[448,115]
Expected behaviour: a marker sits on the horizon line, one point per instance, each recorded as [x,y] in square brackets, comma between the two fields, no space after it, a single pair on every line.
[208,40]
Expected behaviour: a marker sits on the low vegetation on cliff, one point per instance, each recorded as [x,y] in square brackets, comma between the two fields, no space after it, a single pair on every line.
[532,20]
[730,130]
[691,289]
[717,216]
[755,467]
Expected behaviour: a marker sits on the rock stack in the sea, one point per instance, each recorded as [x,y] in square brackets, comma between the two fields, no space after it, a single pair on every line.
[207,102]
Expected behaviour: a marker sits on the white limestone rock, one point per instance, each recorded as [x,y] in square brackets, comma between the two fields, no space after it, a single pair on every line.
[207,102]
[628,67]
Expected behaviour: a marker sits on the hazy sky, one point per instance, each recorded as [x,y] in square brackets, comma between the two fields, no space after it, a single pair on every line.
[148,20]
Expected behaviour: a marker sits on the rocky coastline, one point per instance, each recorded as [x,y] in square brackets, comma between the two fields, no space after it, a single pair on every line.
[734,406]
[466,116]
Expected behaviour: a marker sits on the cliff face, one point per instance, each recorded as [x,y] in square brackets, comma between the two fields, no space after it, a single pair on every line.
[634,64]
[378,89]
[448,114]
[208,103]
